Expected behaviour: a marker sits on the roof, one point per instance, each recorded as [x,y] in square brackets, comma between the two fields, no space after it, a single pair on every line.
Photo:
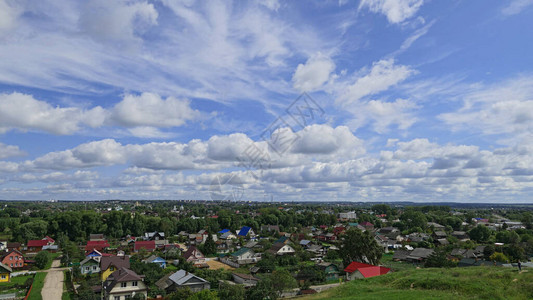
[366,223]
[96,245]
[182,276]
[366,270]
[282,239]
[401,254]
[115,261]
[244,231]
[154,258]
[240,252]
[246,276]
[148,245]
[121,275]
[37,243]
[421,253]
[223,231]
[49,239]
[5,267]
[190,251]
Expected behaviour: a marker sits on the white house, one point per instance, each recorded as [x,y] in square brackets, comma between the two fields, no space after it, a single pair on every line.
[281,249]
[124,284]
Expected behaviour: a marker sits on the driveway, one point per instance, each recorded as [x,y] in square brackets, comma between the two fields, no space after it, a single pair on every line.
[53,282]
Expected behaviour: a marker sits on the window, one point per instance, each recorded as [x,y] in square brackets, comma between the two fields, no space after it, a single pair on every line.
[117,297]
[111,269]
[94,267]
[134,283]
[86,268]
[123,284]
[3,276]
[11,258]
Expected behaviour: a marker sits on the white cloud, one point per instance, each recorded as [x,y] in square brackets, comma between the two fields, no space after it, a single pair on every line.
[516,6]
[314,73]
[383,75]
[21,111]
[10,151]
[9,12]
[151,110]
[142,115]
[270,4]
[396,10]
[499,109]
[117,21]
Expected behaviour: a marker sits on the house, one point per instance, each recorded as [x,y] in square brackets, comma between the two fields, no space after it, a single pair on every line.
[224,246]
[156,260]
[246,279]
[440,235]
[50,240]
[5,273]
[13,259]
[182,279]
[305,243]
[99,245]
[96,237]
[193,255]
[246,231]
[358,270]
[283,240]
[154,236]
[328,237]
[3,245]
[367,225]
[36,245]
[419,254]
[400,255]
[110,264]
[243,256]
[460,235]
[124,284]
[465,253]
[330,269]
[97,254]
[345,216]
[388,230]
[13,246]
[270,228]
[146,245]
[226,234]
[435,226]
[90,265]
[281,249]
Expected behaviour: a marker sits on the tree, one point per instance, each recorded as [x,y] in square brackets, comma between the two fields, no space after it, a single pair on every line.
[42,259]
[231,292]
[499,257]
[480,233]
[204,295]
[210,248]
[282,280]
[360,246]
[489,250]
[438,260]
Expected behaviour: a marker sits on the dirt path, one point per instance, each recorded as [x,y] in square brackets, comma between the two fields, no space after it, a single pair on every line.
[53,283]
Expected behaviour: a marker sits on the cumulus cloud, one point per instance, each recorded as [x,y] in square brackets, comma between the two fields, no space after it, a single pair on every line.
[396,11]
[10,151]
[151,110]
[313,74]
[142,115]
[21,111]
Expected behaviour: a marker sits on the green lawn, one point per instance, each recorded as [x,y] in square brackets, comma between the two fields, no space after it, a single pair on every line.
[433,283]
[38,283]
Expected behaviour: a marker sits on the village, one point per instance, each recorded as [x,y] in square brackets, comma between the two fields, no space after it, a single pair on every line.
[241,250]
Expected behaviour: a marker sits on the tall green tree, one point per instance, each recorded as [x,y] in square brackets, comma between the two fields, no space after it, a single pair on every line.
[360,246]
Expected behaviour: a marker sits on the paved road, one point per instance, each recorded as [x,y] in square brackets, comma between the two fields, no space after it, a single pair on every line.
[53,282]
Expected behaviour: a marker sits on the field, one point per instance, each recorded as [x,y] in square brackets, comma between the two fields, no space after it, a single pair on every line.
[431,283]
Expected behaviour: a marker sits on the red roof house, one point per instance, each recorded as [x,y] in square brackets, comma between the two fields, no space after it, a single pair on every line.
[96,245]
[358,270]
[37,245]
[147,245]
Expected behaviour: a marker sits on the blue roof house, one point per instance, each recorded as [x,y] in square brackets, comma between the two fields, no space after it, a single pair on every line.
[246,231]
[156,260]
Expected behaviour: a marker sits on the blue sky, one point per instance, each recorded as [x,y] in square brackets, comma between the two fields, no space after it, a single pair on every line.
[410,100]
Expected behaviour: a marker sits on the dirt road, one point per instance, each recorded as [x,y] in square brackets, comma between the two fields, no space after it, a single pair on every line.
[53,283]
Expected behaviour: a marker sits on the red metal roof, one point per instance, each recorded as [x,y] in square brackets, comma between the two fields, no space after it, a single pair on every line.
[366,270]
[148,245]
[37,243]
[96,245]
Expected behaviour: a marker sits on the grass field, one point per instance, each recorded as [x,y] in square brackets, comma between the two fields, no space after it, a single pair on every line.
[431,283]
[38,283]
